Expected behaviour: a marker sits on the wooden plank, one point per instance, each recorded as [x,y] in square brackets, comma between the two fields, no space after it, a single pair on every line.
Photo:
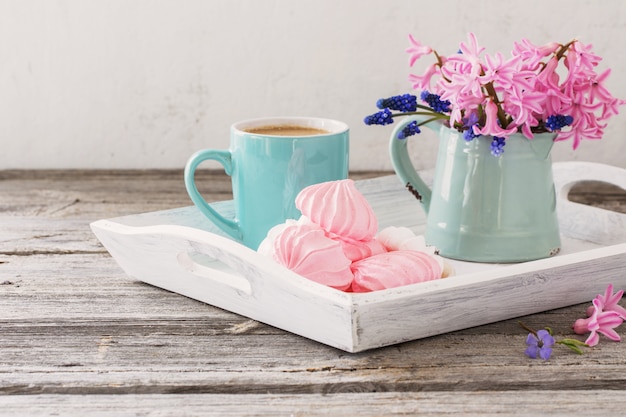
[557,403]
[181,362]
[103,194]
[58,193]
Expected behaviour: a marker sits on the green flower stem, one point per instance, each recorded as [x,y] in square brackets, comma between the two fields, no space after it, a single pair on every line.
[423,107]
[573,344]
[435,115]
[432,119]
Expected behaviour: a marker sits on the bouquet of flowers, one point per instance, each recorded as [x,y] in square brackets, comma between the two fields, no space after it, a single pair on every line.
[549,88]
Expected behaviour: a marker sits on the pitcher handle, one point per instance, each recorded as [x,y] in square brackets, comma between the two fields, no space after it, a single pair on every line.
[224,157]
[403,166]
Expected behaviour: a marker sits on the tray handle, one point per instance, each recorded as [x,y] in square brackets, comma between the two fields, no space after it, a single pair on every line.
[206,267]
[585,222]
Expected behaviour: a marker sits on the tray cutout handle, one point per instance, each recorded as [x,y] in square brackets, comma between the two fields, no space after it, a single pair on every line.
[585,222]
[570,173]
[204,266]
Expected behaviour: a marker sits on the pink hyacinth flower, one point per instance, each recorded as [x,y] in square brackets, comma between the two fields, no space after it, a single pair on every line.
[608,302]
[417,50]
[523,106]
[423,82]
[471,50]
[532,54]
[501,72]
[599,322]
[492,127]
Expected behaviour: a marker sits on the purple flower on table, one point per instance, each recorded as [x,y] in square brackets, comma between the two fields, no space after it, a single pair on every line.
[604,316]
[539,345]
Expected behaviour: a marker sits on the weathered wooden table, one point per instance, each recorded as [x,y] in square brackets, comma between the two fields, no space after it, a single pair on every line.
[79,337]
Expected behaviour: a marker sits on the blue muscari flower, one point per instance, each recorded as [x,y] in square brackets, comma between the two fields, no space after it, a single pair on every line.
[539,345]
[497,146]
[381,118]
[469,134]
[469,122]
[558,121]
[435,102]
[403,103]
[409,130]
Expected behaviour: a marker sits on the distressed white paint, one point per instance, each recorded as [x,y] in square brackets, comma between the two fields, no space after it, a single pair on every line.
[181,251]
[144,84]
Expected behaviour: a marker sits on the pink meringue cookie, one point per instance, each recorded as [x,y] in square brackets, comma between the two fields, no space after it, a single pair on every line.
[305,249]
[339,208]
[394,269]
[266,248]
[402,238]
[355,250]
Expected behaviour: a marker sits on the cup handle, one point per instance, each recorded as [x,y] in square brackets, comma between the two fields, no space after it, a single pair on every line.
[404,167]
[224,157]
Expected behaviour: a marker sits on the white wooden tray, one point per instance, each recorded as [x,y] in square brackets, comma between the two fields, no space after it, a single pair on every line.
[181,251]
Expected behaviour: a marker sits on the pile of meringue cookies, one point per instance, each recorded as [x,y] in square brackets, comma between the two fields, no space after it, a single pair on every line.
[336,243]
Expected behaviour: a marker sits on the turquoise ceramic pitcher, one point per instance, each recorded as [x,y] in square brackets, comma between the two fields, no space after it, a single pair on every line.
[481,207]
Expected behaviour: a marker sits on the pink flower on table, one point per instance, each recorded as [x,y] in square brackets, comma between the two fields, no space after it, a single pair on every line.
[608,302]
[599,322]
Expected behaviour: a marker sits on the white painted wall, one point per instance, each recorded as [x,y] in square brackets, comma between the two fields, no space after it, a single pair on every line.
[145,83]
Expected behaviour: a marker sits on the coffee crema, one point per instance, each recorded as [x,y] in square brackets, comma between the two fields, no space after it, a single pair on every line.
[286,130]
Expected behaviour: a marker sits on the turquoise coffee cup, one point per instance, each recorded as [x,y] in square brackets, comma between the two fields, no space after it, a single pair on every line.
[270,160]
